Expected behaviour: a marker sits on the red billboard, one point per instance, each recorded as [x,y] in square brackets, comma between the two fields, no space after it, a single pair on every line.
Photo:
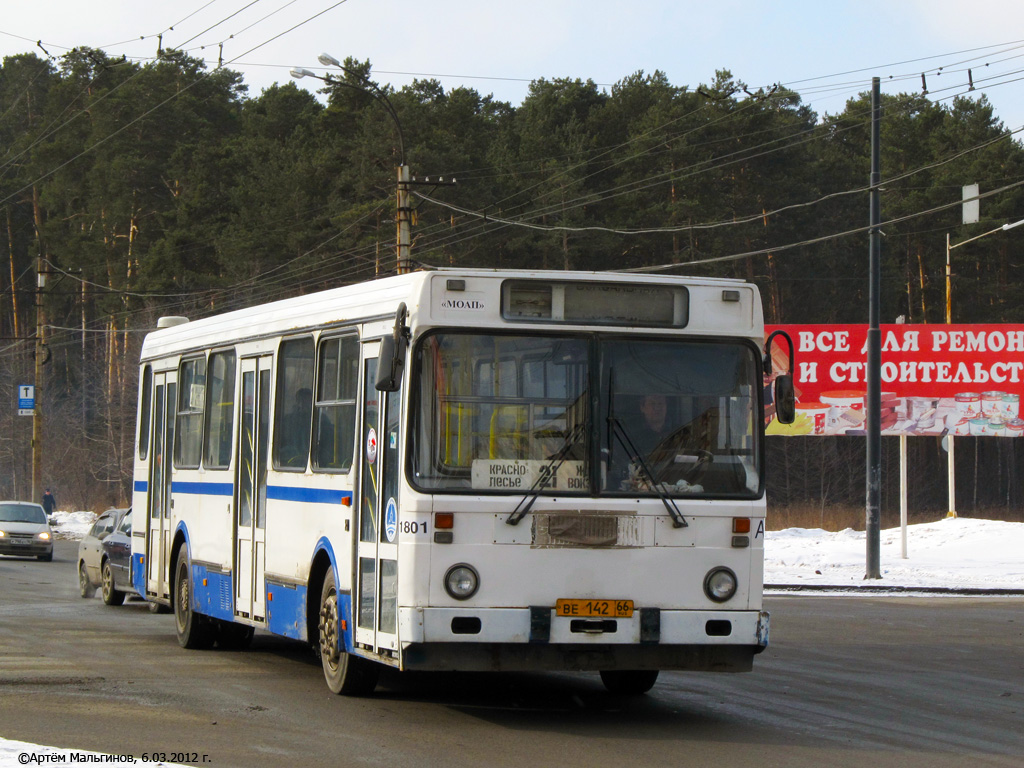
[936,379]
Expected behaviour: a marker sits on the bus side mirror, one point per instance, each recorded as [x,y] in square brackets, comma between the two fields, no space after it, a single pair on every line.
[783,390]
[392,354]
[785,399]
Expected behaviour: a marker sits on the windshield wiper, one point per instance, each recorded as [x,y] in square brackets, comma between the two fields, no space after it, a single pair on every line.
[619,431]
[547,472]
[678,521]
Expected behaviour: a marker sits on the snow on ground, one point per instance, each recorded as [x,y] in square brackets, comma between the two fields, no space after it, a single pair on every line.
[957,553]
[72,525]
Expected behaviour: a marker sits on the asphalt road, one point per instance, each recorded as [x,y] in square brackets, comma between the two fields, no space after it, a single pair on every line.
[846,682]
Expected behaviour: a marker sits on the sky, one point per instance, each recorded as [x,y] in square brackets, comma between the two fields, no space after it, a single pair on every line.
[826,51]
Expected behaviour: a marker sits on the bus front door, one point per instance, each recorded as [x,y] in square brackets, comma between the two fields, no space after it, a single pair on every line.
[158,499]
[376,606]
[251,488]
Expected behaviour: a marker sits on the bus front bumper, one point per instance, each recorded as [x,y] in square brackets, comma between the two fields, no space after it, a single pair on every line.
[535,638]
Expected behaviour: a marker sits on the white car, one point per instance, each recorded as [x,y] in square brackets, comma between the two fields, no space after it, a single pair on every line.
[24,530]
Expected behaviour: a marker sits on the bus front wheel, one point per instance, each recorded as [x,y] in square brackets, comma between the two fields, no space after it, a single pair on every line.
[629,682]
[345,674]
[194,630]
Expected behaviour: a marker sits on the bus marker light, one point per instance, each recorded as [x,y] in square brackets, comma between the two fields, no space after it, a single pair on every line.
[444,537]
[741,541]
[741,525]
[344,625]
[444,520]
[346,501]
[204,583]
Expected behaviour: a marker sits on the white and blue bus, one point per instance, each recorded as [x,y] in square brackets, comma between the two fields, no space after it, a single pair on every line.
[464,470]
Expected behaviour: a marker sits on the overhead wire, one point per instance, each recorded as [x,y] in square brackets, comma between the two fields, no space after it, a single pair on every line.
[635,186]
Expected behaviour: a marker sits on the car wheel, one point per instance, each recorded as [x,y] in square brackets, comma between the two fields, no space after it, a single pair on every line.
[345,674]
[85,587]
[194,630]
[629,682]
[111,594]
[233,637]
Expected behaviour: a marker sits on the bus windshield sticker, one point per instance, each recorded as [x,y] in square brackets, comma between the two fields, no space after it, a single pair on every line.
[391,519]
[371,446]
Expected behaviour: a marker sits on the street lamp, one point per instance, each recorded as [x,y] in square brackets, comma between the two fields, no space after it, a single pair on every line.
[951,460]
[949,301]
[403,237]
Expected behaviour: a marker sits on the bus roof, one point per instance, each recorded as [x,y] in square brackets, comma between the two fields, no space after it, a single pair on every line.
[378,300]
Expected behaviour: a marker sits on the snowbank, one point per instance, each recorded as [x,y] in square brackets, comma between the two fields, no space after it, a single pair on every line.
[953,552]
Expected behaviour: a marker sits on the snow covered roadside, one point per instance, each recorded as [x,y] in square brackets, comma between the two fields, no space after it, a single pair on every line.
[72,525]
[955,553]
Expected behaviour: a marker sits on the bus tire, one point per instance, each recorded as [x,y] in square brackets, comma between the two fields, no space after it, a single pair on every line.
[345,674]
[111,594]
[193,629]
[629,682]
[234,637]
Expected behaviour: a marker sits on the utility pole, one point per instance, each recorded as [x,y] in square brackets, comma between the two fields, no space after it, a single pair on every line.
[874,399]
[37,417]
[403,243]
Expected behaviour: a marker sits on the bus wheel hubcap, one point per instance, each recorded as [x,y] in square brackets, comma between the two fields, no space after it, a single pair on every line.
[329,646]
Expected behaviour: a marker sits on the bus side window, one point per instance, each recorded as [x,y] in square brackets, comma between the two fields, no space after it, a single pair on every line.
[220,410]
[294,406]
[334,416]
[144,412]
[188,432]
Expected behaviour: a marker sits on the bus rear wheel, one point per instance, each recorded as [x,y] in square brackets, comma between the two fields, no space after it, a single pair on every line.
[629,682]
[194,630]
[345,674]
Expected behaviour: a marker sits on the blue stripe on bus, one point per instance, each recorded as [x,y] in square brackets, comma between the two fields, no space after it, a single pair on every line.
[276,492]
[203,489]
[309,495]
[141,486]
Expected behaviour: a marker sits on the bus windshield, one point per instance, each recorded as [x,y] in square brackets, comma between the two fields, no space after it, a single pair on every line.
[500,413]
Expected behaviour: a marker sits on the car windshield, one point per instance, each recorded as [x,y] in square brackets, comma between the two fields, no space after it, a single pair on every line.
[22,513]
[514,413]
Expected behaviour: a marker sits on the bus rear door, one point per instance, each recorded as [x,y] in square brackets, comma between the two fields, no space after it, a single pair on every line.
[251,488]
[158,519]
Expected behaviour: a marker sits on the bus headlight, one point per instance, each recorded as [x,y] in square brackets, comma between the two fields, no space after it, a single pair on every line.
[720,584]
[461,581]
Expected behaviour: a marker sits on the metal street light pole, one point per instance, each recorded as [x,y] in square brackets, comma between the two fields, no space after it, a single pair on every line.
[403,240]
[951,461]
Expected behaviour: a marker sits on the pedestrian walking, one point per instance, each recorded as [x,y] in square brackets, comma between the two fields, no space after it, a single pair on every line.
[49,503]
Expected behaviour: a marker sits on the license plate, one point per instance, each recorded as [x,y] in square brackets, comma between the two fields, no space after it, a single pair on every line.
[609,609]
[21,542]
